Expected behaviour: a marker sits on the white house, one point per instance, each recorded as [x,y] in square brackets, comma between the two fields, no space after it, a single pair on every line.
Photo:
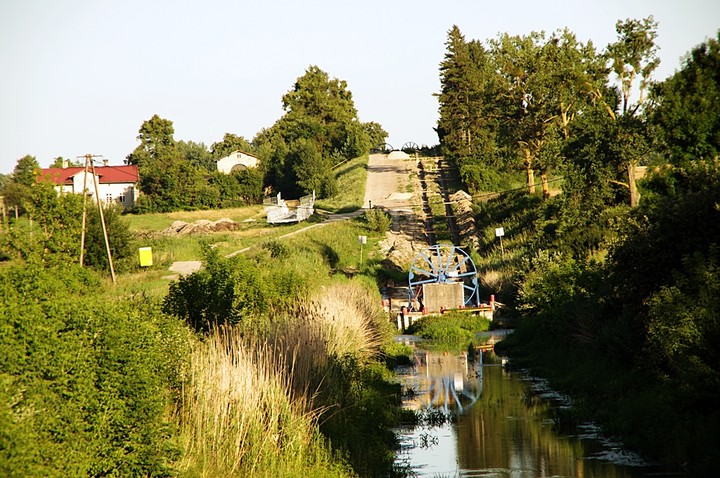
[237,160]
[115,183]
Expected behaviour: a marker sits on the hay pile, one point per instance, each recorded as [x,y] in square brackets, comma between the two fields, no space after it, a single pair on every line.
[201,226]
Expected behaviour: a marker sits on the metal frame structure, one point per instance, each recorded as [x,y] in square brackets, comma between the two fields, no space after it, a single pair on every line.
[442,264]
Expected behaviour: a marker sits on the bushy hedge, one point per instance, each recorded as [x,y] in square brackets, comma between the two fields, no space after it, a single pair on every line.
[84,381]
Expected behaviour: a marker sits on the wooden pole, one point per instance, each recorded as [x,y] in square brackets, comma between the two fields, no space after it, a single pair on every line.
[102,221]
[88,158]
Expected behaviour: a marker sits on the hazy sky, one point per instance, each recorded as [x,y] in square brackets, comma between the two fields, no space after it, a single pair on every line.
[80,76]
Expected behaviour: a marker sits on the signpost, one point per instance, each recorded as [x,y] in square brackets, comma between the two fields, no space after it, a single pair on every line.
[362,240]
[500,232]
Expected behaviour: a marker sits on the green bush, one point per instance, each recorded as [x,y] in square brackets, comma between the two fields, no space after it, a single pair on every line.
[454,327]
[378,220]
[232,291]
[84,380]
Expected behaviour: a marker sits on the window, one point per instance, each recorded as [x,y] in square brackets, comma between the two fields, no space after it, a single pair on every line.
[108,198]
[121,197]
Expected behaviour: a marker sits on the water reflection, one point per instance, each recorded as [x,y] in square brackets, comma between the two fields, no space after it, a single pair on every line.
[497,425]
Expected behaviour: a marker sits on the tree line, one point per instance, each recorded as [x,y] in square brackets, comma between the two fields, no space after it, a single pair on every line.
[523,102]
[613,283]
[319,129]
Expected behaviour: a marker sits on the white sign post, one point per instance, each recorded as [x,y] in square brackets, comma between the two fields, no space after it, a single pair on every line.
[362,240]
[500,232]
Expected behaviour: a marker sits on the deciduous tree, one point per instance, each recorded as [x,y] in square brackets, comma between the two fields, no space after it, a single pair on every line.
[633,59]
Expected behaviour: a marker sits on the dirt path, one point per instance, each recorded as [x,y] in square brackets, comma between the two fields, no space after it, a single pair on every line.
[386,180]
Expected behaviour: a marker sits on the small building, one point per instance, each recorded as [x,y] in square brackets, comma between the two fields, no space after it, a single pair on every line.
[236,161]
[114,183]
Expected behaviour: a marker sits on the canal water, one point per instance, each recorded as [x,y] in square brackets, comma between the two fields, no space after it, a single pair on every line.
[480,420]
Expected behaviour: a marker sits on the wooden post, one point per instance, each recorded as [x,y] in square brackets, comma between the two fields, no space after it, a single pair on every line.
[88,158]
[102,221]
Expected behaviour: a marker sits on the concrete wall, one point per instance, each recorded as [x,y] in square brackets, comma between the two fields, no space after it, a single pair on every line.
[446,296]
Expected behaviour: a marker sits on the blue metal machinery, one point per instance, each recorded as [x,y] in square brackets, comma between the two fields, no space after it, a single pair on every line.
[443,264]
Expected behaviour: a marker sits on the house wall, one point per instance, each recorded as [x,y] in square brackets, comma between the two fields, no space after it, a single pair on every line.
[226,164]
[124,193]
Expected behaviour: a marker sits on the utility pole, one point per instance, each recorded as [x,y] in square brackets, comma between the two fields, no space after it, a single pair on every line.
[89,165]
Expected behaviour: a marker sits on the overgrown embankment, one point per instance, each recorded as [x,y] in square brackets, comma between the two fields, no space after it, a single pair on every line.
[270,364]
[623,313]
[290,307]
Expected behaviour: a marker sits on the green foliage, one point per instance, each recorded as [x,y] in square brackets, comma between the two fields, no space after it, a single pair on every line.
[84,381]
[119,237]
[319,129]
[198,155]
[25,171]
[229,144]
[634,57]
[686,107]
[378,220]
[455,328]
[277,249]
[240,188]
[231,291]
[351,177]
[183,175]
[156,138]
[53,236]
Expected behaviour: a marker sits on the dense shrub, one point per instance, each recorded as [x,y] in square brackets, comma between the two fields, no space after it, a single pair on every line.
[84,380]
[231,291]
[378,220]
[456,328]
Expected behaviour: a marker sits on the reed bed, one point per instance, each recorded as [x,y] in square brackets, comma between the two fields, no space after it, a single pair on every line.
[339,323]
[250,406]
[237,417]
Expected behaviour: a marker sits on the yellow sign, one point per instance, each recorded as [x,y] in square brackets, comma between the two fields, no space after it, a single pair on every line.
[145,256]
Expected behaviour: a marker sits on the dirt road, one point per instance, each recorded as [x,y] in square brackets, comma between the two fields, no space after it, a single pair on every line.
[386,180]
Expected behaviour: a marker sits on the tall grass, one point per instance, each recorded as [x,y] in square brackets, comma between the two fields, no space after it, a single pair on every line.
[250,407]
[340,321]
[237,417]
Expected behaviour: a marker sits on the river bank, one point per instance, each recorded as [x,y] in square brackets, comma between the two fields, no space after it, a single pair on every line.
[479,416]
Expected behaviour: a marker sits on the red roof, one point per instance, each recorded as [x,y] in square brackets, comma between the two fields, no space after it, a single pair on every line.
[107,174]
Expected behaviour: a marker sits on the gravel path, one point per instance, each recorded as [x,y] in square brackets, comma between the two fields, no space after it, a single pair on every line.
[385,180]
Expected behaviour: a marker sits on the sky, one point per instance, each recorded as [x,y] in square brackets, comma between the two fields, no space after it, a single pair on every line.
[81,76]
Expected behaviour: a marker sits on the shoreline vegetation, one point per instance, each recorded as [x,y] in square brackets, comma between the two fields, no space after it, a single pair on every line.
[270,363]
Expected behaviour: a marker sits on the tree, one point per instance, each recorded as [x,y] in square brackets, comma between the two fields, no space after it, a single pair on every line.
[319,129]
[469,110]
[529,95]
[61,162]
[456,91]
[229,144]
[171,173]
[119,238]
[155,136]
[686,106]
[26,170]
[633,56]
[375,132]
[16,187]
[53,236]
[198,155]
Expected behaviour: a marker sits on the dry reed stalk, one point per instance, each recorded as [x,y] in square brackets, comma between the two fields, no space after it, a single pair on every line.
[236,415]
[339,322]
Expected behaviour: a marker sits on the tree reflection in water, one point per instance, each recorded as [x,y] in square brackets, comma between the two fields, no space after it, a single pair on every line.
[477,419]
